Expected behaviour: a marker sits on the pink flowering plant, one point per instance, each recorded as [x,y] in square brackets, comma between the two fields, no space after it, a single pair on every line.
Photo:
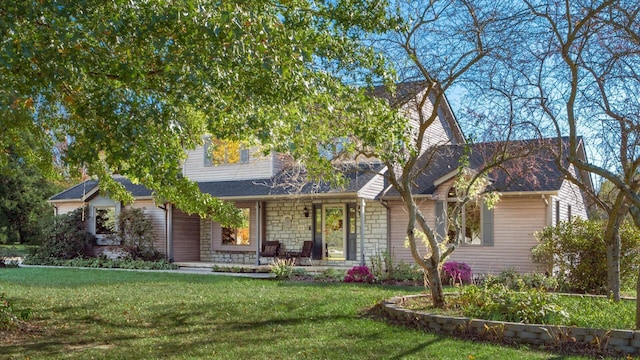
[359,274]
[454,272]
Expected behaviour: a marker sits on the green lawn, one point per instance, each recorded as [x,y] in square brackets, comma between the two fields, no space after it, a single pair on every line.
[83,314]
[16,250]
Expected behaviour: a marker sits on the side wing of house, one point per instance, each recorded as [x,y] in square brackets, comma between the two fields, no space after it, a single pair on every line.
[100,212]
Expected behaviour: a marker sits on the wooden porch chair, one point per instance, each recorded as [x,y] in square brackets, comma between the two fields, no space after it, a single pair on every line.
[270,249]
[305,253]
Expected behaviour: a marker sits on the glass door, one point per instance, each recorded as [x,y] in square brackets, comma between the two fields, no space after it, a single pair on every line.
[334,231]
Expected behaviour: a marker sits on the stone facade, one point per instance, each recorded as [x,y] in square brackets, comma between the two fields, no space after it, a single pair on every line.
[285,222]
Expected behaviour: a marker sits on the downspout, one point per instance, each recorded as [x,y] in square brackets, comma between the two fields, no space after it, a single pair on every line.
[362,222]
[258,232]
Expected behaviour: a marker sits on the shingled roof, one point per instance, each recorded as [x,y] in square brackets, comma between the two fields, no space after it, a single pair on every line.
[280,185]
[79,191]
[530,166]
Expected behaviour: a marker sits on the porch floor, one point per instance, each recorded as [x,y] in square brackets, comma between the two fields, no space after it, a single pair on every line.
[265,267]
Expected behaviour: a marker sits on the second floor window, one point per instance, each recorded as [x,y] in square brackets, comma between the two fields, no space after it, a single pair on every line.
[221,152]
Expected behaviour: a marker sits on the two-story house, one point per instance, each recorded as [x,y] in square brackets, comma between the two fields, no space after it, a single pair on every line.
[347,226]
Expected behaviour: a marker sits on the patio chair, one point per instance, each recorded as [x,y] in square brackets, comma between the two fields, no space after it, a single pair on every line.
[270,249]
[305,253]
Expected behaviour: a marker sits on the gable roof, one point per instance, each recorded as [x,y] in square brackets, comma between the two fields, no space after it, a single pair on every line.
[408,91]
[530,166]
[86,189]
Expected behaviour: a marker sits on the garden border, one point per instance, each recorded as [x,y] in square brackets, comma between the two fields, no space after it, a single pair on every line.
[556,336]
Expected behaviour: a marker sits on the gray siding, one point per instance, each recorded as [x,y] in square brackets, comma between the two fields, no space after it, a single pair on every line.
[258,167]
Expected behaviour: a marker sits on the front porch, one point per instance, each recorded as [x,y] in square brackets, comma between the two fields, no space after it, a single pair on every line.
[341,237]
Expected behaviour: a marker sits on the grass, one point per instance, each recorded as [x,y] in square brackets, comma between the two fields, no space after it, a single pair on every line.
[583,311]
[599,312]
[86,313]
[16,250]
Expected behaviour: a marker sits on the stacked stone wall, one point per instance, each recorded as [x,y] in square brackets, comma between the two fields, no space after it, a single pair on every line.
[555,336]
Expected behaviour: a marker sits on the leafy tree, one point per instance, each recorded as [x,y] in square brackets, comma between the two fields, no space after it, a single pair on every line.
[127,86]
[23,206]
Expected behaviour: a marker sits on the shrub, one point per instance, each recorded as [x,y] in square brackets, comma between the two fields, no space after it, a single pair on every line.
[359,274]
[330,275]
[282,268]
[384,268]
[498,302]
[65,238]
[135,233]
[576,252]
[454,272]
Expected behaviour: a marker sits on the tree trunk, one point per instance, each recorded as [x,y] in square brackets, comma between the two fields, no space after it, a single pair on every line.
[638,303]
[613,244]
[613,265]
[437,293]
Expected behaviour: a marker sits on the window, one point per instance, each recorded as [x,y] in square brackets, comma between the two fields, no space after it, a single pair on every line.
[469,221]
[568,212]
[241,235]
[105,220]
[221,152]
[557,212]
[475,221]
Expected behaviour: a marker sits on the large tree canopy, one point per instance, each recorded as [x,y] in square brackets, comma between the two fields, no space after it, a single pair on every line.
[130,85]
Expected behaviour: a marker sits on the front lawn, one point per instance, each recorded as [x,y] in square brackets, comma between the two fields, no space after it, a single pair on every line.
[16,249]
[82,313]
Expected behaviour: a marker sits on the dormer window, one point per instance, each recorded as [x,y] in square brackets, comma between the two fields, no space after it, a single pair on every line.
[224,152]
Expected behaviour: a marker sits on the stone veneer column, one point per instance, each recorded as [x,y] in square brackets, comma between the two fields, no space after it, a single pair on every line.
[206,254]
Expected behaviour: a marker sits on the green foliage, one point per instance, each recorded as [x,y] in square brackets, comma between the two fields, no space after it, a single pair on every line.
[66,238]
[135,83]
[106,263]
[331,275]
[577,253]
[282,268]
[385,268]
[497,302]
[10,317]
[513,280]
[135,234]
[23,206]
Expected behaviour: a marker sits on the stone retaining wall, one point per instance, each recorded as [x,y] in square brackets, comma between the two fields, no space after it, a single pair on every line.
[597,340]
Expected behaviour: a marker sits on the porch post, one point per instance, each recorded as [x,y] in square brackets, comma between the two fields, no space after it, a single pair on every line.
[258,233]
[362,222]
